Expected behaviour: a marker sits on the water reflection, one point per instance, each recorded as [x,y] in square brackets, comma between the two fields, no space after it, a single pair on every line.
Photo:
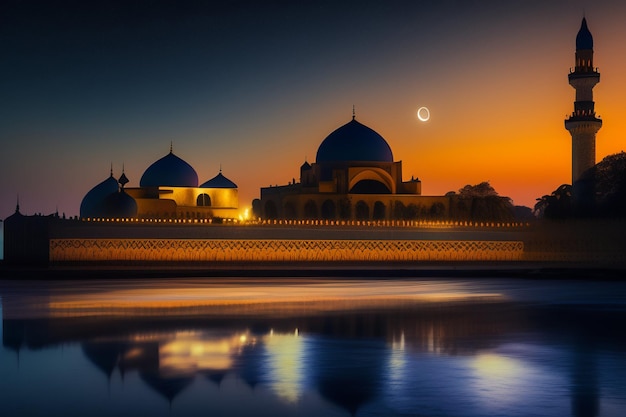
[398,348]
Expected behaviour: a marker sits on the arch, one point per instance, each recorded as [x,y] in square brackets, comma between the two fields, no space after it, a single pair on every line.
[362,210]
[369,187]
[329,211]
[380,211]
[290,211]
[203,200]
[377,175]
[310,210]
[270,210]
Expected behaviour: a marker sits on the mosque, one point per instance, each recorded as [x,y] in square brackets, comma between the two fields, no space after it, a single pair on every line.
[168,189]
[354,177]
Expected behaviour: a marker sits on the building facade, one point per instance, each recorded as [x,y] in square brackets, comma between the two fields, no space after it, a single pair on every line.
[354,177]
[168,189]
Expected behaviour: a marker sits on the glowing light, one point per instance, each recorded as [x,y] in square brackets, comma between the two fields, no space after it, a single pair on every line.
[286,358]
[423,114]
[188,352]
[500,380]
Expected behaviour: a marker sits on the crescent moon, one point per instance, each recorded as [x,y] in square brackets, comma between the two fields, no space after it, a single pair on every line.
[420,115]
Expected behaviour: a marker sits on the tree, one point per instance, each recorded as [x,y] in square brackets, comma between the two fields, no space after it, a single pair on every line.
[600,192]
[484,203]
[557,205]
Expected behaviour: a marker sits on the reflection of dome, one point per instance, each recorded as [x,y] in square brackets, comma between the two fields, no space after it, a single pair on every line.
[584,40]
[119,205]
[167,386]
[354,142]
[91,206]
[219,181]
[169,171]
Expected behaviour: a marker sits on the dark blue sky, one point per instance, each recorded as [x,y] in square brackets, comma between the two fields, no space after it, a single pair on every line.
[255,86]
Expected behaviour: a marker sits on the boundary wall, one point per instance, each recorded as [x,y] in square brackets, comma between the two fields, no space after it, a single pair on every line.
[246,250]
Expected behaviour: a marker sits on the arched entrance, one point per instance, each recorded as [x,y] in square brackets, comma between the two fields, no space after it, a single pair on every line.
[203,200]
[329,211]
[362,210]
[380,211]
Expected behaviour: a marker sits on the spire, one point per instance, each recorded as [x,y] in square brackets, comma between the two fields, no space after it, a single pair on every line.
[111,168]
[584,40]
[353,112]
[123,178]
[17,205]
[171,146]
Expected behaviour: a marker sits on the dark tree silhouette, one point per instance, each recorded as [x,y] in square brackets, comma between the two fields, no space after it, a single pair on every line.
[481,202]
[600,192]
[557,205]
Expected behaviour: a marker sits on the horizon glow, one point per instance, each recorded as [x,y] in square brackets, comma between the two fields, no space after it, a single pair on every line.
[256,89]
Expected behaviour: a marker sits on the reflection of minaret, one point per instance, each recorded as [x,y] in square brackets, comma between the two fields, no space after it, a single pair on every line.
[584,384]
[583,123]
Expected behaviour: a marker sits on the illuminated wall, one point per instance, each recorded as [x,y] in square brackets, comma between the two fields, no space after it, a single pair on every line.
[185,202]
[279,250]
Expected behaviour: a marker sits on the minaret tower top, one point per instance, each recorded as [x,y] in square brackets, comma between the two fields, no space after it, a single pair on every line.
[583,123]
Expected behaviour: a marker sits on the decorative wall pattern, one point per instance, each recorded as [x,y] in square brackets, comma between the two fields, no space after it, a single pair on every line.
[242,250]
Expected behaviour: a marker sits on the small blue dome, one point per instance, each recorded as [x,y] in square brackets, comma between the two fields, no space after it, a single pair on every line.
[92,204]
[354,142]
[119,205]
[584,40]
[169,171]
[219,181]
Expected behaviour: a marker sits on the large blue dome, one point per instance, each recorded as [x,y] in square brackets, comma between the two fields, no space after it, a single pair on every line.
[354,142]
[169,171]
[584,40]
[92,204]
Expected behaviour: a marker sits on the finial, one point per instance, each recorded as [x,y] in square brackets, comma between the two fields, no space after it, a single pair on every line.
[353,112]
[111,168]
[17,206]
[220,167]
[123,179]
[171,146]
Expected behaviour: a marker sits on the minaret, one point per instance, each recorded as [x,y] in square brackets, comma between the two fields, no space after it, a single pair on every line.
[583,123]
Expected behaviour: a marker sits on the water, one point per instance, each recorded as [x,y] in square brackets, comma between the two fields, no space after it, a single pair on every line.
[313,347]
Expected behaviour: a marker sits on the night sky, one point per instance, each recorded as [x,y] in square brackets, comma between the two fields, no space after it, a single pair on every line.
[255,86]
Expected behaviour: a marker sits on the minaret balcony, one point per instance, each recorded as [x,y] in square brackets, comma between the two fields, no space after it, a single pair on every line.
[587,70]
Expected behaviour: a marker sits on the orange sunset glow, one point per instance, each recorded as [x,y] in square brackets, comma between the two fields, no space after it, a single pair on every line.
[258,102]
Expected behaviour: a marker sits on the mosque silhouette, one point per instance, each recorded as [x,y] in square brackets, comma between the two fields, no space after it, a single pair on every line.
[354,181]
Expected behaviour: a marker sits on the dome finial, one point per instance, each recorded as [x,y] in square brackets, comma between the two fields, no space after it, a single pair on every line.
[353,112]
[123,178]
[171,146]
[111,168]
[17,205]
[220,167]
